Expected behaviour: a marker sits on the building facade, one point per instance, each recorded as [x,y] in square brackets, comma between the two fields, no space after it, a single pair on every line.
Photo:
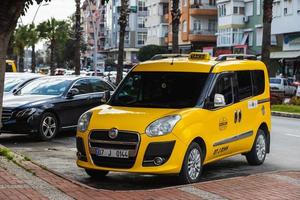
[286,28]
[239,26]
[136,31]
[198,25]
[157,21]
[93,12]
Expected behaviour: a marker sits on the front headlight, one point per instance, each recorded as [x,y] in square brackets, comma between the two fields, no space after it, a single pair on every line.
[84,121]
[162,126]
[26,112]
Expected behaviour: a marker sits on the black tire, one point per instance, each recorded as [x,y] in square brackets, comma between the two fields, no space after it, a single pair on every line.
[185,177]
[53,126]
[96,174]
[258,153]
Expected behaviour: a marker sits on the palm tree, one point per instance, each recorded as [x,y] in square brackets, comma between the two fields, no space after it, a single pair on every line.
[54,32]
[10,11]
[33,38]
[77,38]
[124,11]
[176,14]
[266,42]
[20,42]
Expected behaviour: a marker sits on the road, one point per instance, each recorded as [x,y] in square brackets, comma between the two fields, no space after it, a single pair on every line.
[59,155]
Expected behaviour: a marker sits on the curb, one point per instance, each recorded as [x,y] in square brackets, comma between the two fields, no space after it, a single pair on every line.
[285,114]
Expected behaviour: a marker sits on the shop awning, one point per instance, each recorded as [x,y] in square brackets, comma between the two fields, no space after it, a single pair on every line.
[285,54]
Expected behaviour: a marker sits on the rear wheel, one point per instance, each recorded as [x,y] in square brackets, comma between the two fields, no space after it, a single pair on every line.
[48,126]
[257,155]
[96,174]
[192,165]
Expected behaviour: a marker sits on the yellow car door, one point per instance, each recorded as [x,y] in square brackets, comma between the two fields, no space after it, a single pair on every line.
[221,118]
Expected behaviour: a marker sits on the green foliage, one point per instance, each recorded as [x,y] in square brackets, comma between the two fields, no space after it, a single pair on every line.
[286,108]
[6,153]
[295,101]
[147,52]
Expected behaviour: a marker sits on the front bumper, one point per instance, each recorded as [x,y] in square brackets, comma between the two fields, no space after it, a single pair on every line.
[169,148]
[20,126]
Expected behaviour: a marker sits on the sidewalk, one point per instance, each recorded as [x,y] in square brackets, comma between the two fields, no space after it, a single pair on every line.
[26,180]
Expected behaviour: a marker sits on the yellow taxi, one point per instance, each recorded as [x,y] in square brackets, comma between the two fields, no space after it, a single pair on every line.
[176,113]
[11,66]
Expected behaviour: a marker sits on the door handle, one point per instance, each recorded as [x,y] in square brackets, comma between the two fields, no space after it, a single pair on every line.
[235,116]
[240,115]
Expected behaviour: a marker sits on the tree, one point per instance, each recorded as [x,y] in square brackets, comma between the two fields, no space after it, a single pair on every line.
[176,14]
[147,52]
[77,38]
[10,11]
[56,33]
[20,42]
[267,21]
[33,38]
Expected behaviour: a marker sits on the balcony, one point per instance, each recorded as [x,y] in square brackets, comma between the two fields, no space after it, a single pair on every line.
[202,36]
[203,9]
[166,18]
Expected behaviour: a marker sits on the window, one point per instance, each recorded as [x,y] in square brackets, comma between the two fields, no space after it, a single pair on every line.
[250,39]
[197,26]
[258,78]
[249,8]
[258,2]
[212,2]
[185,2]
[141,22]
[142,5]
[235,10]
[100,86]
[242,10]
[244,84]
[287,7]
[223,86]
[276,9]
[142,37]
[222,10]
[184,26]
[259,35]
[212,25]
[83,86]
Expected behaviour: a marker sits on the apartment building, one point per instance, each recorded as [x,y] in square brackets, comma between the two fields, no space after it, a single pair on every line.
[157,21]
[136,31]
[239,26]
[286,27]
[198,25]
[93,12]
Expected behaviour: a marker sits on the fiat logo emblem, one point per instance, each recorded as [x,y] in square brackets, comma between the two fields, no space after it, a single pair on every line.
[113,133]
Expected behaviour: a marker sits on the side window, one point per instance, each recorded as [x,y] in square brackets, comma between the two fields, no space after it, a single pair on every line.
[83,86]
[8,68]
[244,84]
[100,86]
[223,86]
[258,78]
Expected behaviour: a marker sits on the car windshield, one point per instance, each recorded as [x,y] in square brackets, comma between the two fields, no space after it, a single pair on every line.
[11,82]
[160,90]
[46,86]
[275,80]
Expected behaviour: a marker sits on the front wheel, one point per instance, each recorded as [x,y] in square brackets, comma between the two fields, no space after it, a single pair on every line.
[192,165]
[96,174]
[48,126]
[257,155]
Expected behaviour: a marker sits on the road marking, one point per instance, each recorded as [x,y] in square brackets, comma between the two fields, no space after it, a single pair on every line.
[292,135]
[201,193]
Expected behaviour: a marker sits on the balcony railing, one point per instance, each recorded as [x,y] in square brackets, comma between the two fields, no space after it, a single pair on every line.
[203,32]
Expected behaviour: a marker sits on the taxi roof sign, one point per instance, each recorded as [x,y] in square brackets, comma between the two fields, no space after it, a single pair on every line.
[199,56]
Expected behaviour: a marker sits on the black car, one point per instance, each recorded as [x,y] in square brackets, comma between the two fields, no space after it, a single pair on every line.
[50,104]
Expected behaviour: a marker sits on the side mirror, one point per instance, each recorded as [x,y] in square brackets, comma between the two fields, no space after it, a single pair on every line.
[219,100]
[106,96]
[72,92]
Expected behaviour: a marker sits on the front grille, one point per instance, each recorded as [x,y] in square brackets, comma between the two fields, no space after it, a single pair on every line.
[125,141]
[6,114]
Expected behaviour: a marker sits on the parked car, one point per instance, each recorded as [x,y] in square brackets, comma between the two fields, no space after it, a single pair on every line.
[11,66]
[298,91]
[47,105]
[14,81]
[281,85]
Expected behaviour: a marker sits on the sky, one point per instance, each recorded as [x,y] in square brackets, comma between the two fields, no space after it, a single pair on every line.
[59,9]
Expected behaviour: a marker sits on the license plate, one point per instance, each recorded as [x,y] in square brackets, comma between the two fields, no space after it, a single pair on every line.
[112,153]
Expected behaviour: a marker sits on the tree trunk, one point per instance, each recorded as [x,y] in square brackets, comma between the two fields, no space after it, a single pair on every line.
[123,23]
[21,60]
[33,59]
[52,67]
[78,39]
[266,42]
[9,14]
[175,12]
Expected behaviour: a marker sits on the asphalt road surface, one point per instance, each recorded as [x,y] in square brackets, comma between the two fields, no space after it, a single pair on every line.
[60,154]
